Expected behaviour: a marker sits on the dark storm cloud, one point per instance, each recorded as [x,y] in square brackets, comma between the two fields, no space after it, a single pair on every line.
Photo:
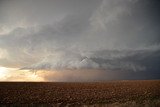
[114,35]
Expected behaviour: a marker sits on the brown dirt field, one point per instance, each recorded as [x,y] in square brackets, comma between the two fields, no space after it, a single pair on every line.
[62,94]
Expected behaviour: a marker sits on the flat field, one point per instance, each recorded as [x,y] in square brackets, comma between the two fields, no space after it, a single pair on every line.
[112,93]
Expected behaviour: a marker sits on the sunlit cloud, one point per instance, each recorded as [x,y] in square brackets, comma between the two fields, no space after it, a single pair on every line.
[48,36]
[14,74]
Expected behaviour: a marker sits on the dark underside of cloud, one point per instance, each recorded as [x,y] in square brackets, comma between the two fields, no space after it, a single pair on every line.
[117,38]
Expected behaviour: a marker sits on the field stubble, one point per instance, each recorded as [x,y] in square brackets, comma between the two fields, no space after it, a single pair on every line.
[111,93]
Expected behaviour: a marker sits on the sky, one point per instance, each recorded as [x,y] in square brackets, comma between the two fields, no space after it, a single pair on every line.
[79,40]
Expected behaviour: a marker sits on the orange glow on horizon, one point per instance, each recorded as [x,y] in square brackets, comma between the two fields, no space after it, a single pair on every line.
[14,74]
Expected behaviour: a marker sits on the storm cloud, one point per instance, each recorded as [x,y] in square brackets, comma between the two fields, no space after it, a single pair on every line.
[115,36]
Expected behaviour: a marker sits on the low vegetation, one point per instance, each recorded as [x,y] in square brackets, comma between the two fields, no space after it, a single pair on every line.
[111,93]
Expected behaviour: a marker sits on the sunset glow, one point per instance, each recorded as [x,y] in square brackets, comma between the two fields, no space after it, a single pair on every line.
[3,72]
[14,74]
[62,40]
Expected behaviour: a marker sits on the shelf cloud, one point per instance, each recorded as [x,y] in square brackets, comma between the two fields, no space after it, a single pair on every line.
[104,35]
